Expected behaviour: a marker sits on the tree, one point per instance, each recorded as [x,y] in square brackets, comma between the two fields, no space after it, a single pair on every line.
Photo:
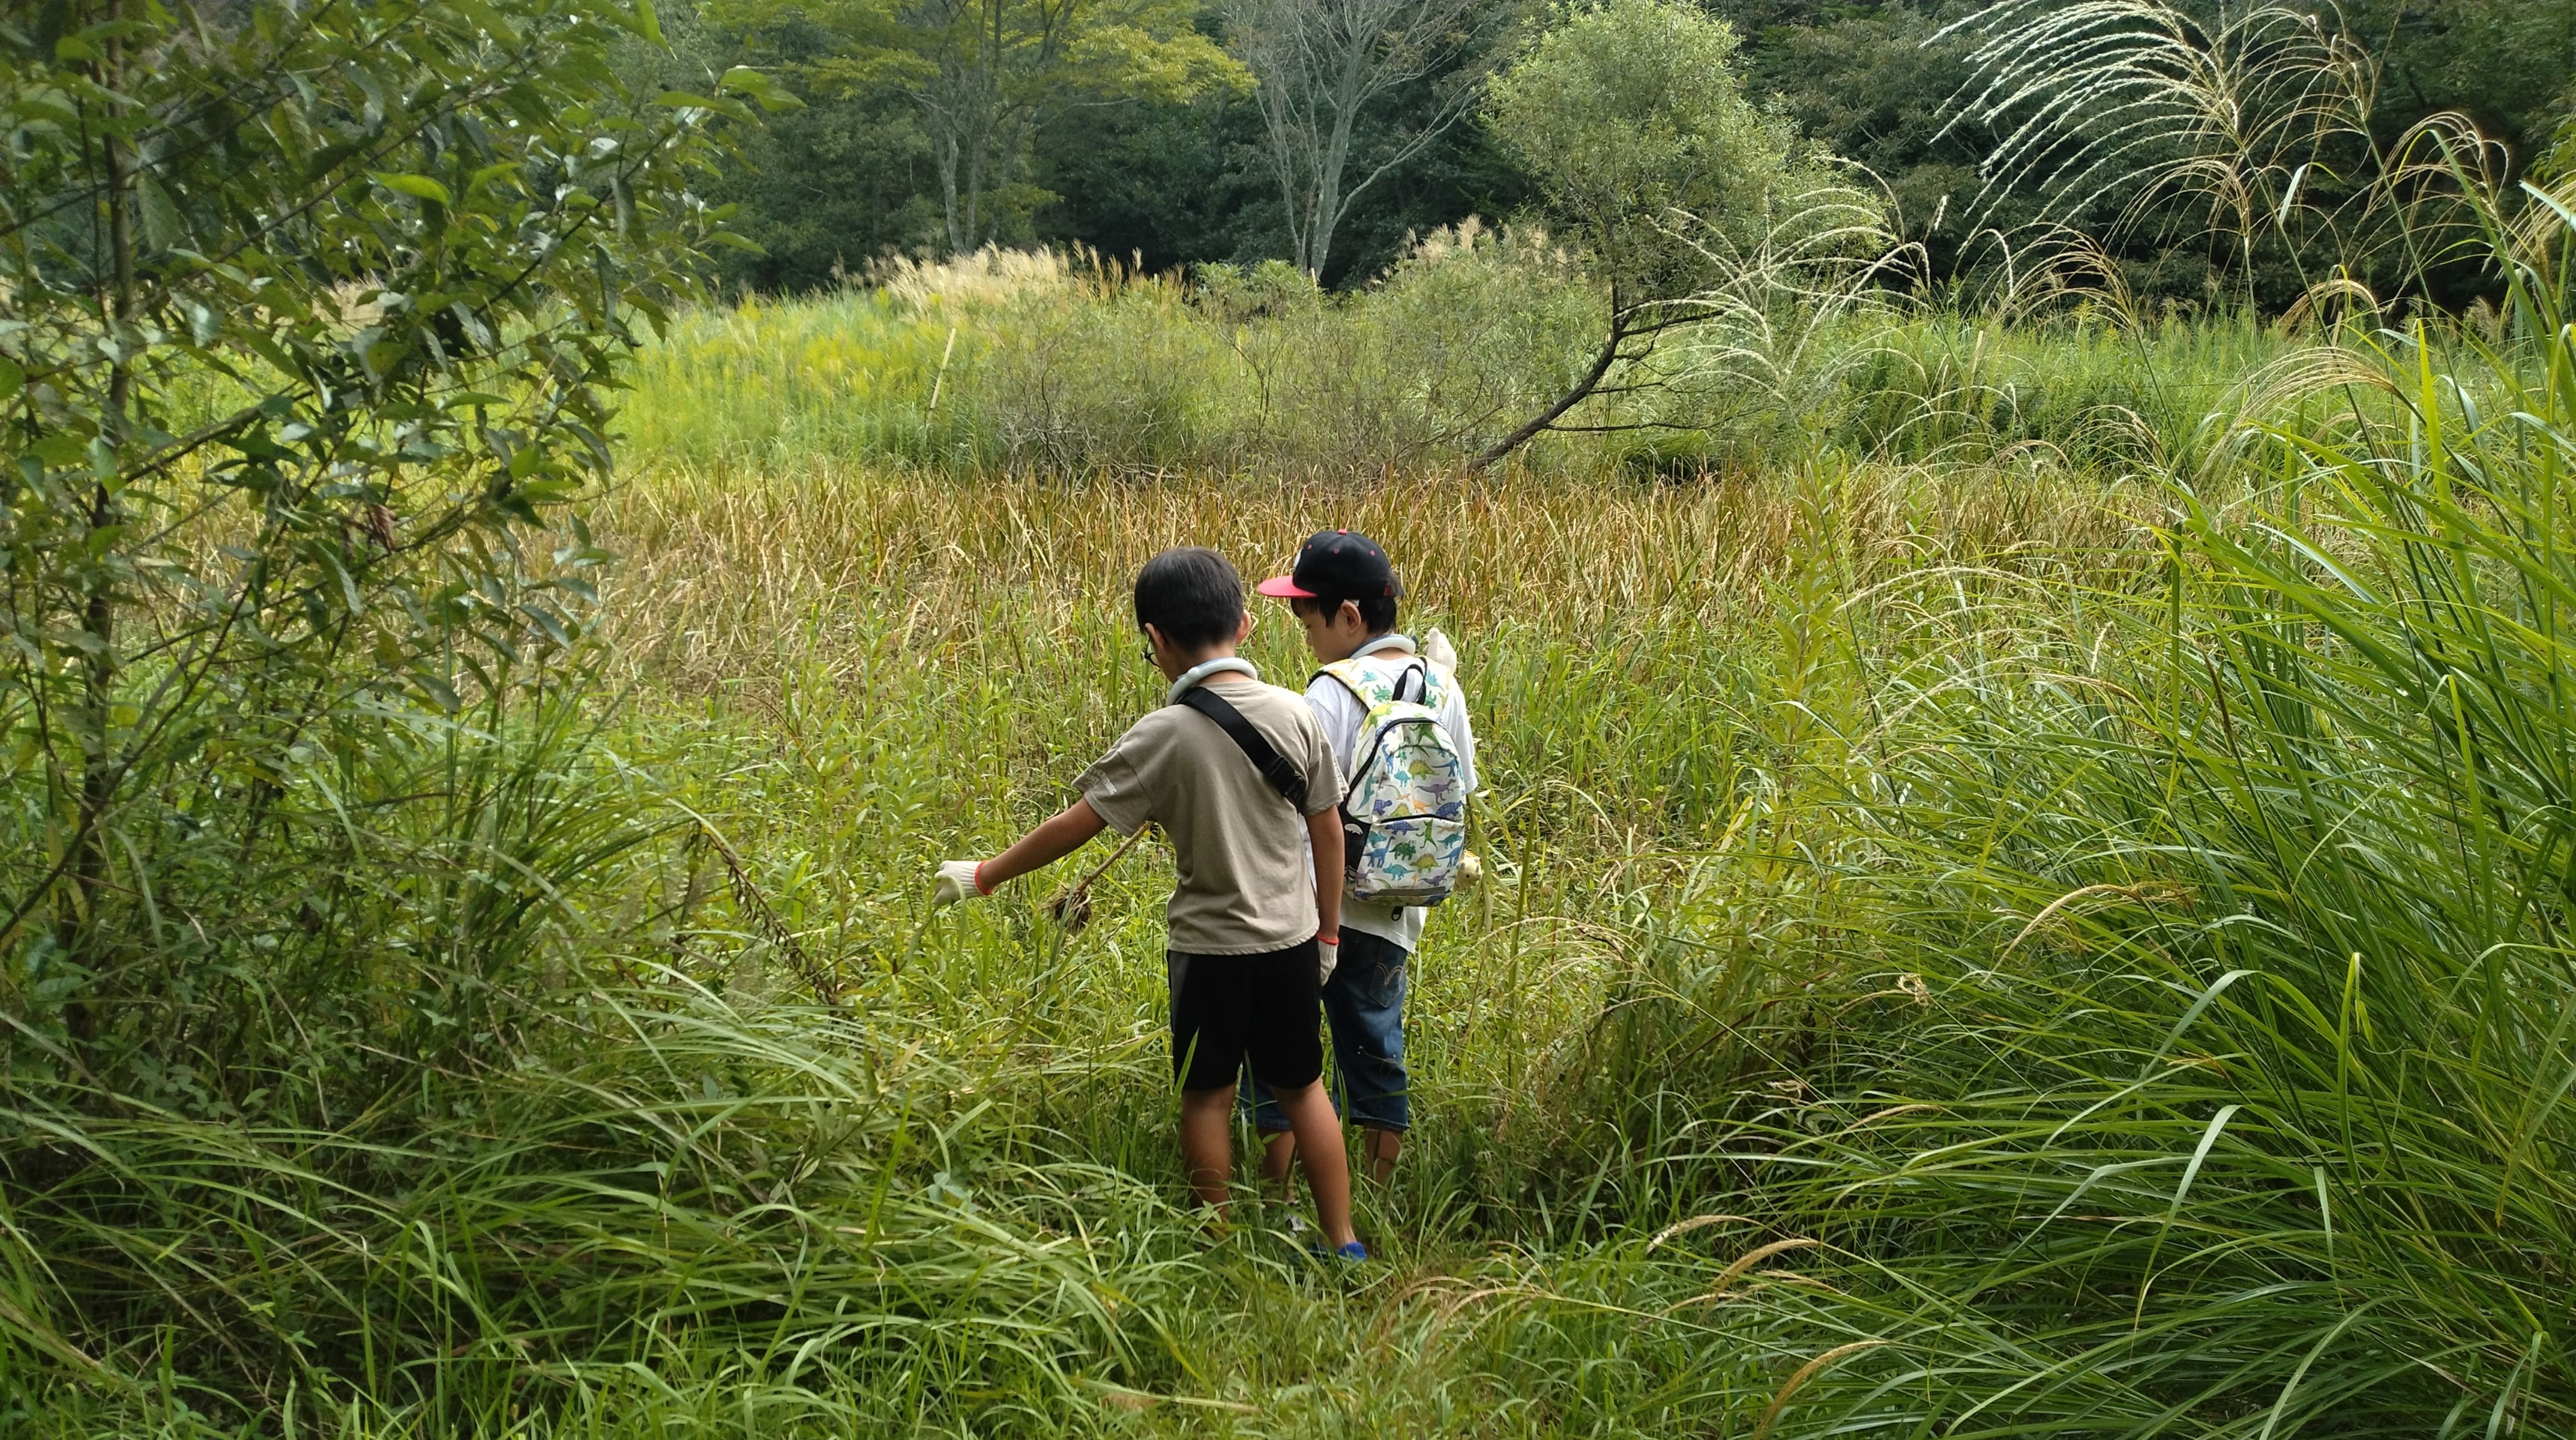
[2505,63]
[985,74]
[821,186]
[311,312]
[1629,117]
[1181,183]
[1324,65]
[1159,181]
[1875,87]
[2206,131]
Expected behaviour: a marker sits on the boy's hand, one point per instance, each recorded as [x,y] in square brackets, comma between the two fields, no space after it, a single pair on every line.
[1437,649]
[1328,954]
[957,881]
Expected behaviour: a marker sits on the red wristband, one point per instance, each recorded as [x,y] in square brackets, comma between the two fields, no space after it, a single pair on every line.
[980,887]
[1323,939]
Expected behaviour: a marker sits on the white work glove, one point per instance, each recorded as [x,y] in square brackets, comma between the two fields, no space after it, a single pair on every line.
[1328,954]
[956,882]
[1437,649]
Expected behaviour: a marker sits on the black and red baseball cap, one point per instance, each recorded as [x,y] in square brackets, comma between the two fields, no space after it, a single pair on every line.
[1336,565]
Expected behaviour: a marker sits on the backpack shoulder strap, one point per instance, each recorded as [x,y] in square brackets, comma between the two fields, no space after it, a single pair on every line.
[1403,677]
[1351,676]
[1422,681]
[1436,685]
[1283,774]
[1370,682]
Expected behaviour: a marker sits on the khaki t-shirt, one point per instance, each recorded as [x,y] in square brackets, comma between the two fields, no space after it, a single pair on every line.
[1245,886]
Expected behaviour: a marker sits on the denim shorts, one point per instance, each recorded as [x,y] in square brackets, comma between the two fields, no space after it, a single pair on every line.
[1364,1002]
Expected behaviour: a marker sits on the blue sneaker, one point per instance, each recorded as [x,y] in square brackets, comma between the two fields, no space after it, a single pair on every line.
[1353,1252]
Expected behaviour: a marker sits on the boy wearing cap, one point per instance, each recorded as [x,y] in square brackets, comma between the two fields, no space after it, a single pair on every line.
[1247,950]
[1343,589]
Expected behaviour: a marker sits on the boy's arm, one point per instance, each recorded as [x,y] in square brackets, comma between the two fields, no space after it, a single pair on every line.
[1067,831]
[1324,832]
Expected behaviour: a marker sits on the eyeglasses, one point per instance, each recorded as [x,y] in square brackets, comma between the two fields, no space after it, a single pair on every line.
[1149,652]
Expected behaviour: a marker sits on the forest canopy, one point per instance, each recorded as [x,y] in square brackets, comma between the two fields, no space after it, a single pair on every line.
[1168,134]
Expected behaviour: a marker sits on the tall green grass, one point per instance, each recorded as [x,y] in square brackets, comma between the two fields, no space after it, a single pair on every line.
[2089,391]
[2238,1105]
[1974,948]
[2118,988]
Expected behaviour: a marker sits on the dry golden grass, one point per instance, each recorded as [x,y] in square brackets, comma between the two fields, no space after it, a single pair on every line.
[739,572]
[885,668]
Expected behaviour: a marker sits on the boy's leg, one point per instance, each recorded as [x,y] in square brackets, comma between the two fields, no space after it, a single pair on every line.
[1278,1151]
[1364,1010]
[1365,1003]
[1319,1145]
[1210,1008]
[1286,1048]
[1207,1151]
[1278,1142]
[1378,1152]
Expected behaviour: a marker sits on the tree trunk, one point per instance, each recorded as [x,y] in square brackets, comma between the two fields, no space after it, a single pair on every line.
[1319,65]
[985,85]
[1590,382]
[78,927]
[1337,154]
[1277,130]
[943,149]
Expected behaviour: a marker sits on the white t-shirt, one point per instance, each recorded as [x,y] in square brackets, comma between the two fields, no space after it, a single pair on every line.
[1341,713]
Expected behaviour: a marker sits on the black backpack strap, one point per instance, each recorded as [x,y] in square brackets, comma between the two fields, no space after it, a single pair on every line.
[1276,768]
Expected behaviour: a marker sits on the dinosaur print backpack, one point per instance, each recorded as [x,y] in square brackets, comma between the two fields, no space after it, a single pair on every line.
[1404,813]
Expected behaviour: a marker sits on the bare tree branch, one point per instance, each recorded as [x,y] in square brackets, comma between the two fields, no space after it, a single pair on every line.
[1321,65]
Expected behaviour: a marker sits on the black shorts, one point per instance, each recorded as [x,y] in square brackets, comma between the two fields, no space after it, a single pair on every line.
[1230,1008]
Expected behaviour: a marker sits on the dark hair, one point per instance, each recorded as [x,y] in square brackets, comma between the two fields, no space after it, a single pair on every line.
[1190,593]
[1377,612]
